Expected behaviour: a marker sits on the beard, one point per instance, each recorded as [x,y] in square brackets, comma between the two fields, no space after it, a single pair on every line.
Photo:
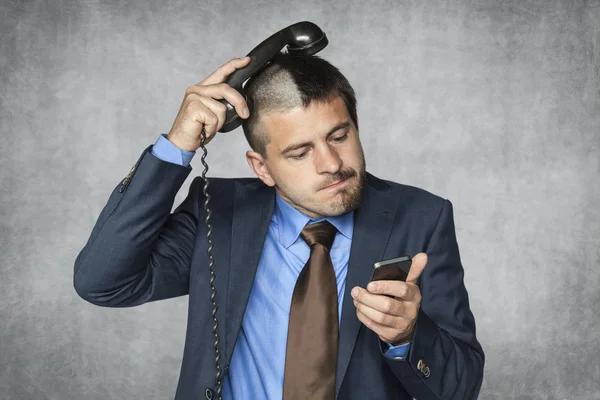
[346,198]
[350,195]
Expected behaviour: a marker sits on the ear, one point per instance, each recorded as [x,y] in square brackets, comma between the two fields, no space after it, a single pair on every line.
[257,163]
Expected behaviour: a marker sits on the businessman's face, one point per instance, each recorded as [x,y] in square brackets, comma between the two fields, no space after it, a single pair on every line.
[314,158]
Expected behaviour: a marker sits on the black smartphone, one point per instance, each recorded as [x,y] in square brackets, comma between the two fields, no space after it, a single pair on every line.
[395,269]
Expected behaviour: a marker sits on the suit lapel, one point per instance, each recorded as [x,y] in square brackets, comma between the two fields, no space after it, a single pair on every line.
[252,210]
[373,222]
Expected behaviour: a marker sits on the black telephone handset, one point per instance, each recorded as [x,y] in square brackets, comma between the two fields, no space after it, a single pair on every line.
[303,38]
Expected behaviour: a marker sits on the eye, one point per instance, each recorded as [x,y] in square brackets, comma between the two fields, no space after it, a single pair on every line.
[339,139]
[299,156]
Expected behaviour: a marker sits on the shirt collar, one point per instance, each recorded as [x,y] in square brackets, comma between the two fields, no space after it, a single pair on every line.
[291,221]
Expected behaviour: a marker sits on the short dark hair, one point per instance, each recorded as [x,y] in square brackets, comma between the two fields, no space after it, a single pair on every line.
[291,81]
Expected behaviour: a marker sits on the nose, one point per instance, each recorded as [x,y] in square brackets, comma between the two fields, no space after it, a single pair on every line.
[328,160]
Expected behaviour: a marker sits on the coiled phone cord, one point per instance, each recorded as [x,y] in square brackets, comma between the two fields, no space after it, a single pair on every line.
[209,394]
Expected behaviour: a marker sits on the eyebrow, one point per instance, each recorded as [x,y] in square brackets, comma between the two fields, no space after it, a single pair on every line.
[297,146]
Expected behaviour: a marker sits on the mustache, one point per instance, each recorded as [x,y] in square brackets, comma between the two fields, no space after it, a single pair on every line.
[340,176]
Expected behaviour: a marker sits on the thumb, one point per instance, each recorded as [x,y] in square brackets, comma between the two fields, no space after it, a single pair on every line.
[419,262]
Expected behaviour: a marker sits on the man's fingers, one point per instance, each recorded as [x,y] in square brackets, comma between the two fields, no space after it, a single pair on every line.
[200,113]
[384,304]
[222,91]
[382,318]
[225,70]
[385,333]
[402,290]
[217,108]
[419,262]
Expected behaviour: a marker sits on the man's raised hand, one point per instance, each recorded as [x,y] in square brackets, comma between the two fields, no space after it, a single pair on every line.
[200,107]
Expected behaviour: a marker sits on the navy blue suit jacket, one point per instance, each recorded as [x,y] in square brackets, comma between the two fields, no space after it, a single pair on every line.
[139,252]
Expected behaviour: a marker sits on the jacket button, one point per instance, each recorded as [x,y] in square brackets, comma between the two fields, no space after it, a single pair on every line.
[426,372]
[126,180]
[421,366]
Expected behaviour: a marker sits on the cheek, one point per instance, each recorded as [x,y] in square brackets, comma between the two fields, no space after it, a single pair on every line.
[302,179]
[351,156]
[290,176]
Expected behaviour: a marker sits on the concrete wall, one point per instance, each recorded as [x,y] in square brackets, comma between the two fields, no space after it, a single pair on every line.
[491,104]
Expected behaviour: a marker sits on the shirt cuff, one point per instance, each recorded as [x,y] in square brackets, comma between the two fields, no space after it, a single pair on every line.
[397,352]
[167,151]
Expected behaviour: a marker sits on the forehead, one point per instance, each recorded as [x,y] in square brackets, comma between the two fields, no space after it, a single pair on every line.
[304,123]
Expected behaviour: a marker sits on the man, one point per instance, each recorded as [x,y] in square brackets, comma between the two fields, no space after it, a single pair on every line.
[396,340]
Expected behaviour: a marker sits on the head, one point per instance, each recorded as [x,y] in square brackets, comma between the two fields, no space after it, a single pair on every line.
[303,131]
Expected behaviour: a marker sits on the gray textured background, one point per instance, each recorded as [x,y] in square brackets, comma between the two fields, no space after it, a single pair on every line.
[491,104]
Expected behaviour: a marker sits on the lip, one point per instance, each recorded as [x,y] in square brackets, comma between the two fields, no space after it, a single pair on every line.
[337,185]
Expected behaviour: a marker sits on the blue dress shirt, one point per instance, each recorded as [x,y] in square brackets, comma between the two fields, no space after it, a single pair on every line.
[258,360]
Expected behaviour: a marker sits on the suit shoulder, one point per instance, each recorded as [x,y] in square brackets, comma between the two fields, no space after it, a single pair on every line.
[217,181]
[412,196]
[217,185]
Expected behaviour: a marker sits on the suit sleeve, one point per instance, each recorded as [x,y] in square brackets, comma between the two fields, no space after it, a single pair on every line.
[139,251]
[445,360]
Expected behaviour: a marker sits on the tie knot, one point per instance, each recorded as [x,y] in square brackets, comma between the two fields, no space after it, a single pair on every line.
[321,232]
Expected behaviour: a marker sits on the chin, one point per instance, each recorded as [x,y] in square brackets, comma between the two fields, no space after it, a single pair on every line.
[340,207]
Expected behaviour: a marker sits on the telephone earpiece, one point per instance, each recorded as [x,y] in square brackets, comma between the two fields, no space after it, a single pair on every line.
[303,38]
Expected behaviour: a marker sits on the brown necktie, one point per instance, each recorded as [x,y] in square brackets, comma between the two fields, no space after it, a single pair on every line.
[312,341]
